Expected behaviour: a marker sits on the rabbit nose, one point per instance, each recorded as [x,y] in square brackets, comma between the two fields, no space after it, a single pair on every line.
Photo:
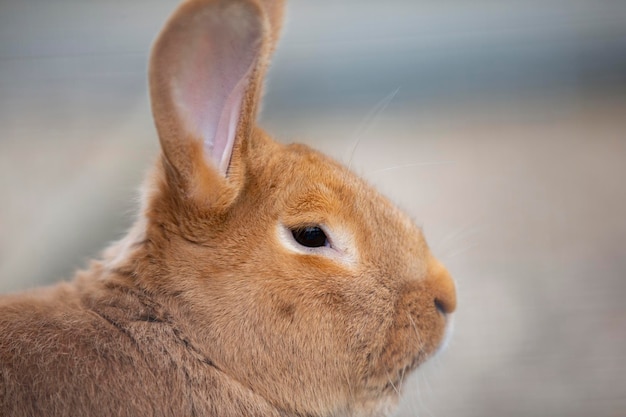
[442,286]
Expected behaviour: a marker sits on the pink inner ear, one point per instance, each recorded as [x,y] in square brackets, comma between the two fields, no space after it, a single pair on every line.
[216,54]
[227,125]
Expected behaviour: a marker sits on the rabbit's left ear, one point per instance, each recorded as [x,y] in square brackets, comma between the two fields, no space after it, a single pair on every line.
[206,73]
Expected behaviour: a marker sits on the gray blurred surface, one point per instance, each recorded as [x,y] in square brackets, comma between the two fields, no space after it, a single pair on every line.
[500,126]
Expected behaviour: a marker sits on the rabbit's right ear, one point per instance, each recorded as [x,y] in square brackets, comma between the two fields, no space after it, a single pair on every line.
[206,73]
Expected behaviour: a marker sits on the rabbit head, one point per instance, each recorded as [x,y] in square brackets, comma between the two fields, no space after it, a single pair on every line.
[291,274]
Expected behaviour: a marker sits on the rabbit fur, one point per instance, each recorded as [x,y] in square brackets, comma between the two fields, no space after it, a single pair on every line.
[210,306]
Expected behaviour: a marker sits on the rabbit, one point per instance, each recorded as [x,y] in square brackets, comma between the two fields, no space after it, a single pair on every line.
[259,279]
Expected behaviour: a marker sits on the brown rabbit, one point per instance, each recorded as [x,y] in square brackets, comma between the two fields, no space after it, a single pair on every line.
[259,280]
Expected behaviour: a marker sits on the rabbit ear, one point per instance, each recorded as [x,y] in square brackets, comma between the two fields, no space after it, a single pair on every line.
[275,9]
[206,72]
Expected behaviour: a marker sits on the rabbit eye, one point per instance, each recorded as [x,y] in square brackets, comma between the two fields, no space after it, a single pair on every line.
[311,237]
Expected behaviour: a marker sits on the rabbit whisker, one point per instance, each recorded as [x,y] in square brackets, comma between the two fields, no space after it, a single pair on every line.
[347,378]
[368,121]
[460,251]
[397,391]
[423,406]
[417,334]
[470,229]
[402,374]
[416,164]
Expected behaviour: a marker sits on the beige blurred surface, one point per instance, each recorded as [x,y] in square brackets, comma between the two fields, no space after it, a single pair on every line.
[520,191]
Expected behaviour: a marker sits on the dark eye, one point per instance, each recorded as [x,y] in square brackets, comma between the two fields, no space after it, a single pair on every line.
[311,236]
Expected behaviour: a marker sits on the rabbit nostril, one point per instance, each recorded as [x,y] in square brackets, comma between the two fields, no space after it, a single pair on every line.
[442,288]
[439,305]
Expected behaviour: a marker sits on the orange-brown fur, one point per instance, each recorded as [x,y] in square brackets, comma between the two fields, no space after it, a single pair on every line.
[201,310]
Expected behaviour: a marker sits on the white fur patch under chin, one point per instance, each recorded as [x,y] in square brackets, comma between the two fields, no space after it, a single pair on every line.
[379,408]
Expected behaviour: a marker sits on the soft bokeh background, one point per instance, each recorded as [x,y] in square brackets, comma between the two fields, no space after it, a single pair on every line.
[499,125]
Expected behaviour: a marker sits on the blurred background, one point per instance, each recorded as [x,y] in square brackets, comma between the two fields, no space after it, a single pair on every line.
[500,126]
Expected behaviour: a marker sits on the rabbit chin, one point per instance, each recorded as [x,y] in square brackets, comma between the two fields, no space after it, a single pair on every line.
[388,402]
